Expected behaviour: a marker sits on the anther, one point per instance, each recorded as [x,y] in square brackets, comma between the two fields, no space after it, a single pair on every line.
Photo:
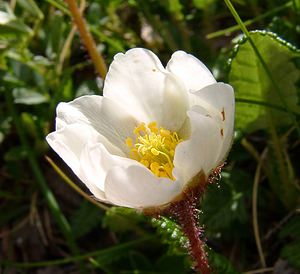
[129,142]
[154,148]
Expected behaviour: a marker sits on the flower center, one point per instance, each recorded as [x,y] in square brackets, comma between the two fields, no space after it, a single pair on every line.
[154,148]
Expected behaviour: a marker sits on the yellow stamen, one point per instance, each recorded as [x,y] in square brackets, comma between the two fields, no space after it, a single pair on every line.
[164,132]
[153,127]
[145,163]
[139,128]
[129,142]
[154,148]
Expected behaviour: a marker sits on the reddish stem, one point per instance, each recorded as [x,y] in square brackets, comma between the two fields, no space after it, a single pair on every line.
[184,210]
[186,214]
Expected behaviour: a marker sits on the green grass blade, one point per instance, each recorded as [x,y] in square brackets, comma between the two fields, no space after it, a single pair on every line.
[101,255]
[50,199]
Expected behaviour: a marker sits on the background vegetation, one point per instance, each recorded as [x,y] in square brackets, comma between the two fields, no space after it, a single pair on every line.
[251,216]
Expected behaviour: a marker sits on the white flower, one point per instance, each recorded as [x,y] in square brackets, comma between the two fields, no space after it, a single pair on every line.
[153,130]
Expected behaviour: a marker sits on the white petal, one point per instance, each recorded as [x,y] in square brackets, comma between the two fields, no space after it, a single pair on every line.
[136,81]
[59,123]
[218,100]
[108,118]
[175,104]
[96,162]
[137,187]
[69,143]
[66,146]
[201,150]
[194,74]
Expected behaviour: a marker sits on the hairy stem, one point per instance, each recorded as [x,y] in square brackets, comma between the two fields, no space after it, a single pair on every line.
[186,214]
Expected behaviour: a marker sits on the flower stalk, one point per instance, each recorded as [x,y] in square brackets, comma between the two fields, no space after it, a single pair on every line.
[186,214]
[184,210]
[87,38]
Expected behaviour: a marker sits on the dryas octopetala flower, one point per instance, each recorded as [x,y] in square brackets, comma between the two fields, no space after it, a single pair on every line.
[154,129]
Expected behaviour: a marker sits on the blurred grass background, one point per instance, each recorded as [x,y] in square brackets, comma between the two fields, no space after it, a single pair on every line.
[46,227]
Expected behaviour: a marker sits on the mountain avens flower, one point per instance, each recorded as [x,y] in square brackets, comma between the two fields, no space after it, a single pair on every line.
[150,136]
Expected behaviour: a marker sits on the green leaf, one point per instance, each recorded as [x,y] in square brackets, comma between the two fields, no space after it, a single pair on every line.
[175,7]
[88,87]
[220,264]
[2,136]
[281,174]
[291,251]
[285,29]
[250,81]
[10,214]
[31,7]
[60,5]
[29,122]
[173,264]
[171,234]
[5,125]
[119,219]
[12,31]
[16,154]
[114,253]
[85,218]
[292,228]
[11,81]
[28,97]
[55,32]
[224,203]
[139,261]
[114,44]
[253,82]
[296,4]
[203,4]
